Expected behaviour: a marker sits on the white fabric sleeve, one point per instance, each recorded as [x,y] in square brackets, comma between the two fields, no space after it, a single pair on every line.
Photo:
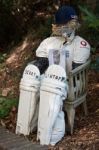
[81,50]
[42,49]
[48,44]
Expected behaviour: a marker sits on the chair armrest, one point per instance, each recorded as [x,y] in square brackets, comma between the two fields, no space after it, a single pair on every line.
[80,68]
[77,81]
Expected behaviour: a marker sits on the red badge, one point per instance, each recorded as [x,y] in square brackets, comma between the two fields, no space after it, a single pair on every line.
[84,43]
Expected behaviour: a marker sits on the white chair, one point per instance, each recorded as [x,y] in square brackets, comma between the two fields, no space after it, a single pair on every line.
[78,79]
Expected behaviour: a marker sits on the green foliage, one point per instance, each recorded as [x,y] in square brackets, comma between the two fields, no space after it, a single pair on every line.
[6,105]
[90,18]
[45,28]
[95,64]
[7,4]
[2,57]
[90,27]
[17,17]
[9,28]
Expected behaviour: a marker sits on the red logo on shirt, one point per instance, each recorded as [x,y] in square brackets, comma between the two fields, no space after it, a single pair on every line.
[84,43]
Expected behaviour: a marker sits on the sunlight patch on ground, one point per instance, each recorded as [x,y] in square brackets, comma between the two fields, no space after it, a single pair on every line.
[25,43]
[14,56]
[97,85]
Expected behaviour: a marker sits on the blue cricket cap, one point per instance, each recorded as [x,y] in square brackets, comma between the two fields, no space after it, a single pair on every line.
[65,14]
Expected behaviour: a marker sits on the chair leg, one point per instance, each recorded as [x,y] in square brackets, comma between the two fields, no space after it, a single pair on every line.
[70,115]
[85,108]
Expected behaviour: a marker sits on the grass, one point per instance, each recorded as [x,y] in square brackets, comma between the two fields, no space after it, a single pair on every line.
[6,105]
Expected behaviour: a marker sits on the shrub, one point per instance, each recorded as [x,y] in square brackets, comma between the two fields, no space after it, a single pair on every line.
[6,106]
[90,30]
[90,26]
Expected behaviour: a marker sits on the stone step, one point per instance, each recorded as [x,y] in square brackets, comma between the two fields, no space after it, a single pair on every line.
[11,141]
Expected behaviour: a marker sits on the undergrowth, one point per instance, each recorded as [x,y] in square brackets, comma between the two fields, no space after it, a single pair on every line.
[6,105]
